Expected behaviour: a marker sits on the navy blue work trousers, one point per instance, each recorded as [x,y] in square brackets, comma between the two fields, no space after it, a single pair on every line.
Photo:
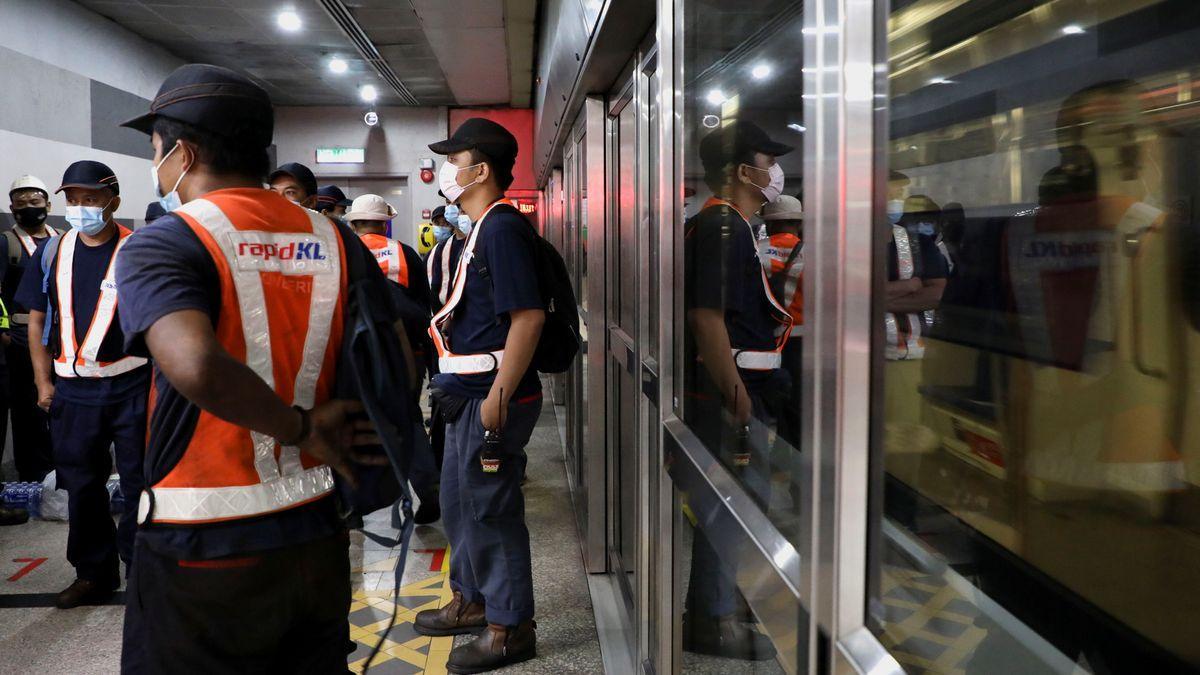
[484,513]
[81,436]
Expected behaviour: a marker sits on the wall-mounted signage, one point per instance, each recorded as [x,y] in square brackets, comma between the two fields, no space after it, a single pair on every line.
[341,155]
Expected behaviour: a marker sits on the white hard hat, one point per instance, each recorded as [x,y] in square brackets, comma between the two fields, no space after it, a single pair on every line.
[369,207]
[786,207]
[28,182]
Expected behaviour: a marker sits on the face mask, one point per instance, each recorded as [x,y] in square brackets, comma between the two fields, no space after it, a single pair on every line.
[925,229]
[448,181]
[441,233]
[88,220]
[30,216]
[774,186]
[461,221]
[171,200]
[895,209]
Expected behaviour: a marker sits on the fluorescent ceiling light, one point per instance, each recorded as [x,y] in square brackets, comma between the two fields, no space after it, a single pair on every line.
[289,20]
[761,72]
[337,65]
[1073,29]
[715,97]
[368,93]
[798,128]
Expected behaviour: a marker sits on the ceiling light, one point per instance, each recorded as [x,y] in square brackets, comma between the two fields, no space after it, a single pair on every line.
[710,121]
[941,80]
[337,65]
[715,97]
[289,20]
[368,93]
[798,128]
[761,72]
[1073,29]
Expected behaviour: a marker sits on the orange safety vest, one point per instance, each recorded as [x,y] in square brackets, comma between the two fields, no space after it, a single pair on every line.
[28,242]
[283,280]
[760,360]
[448,361]
[390,256]
[784,263]
[82,360]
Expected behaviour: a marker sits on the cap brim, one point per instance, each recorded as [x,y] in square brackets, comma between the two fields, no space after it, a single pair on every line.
[449,146]
[85,186]
[352,215]
[344,202]
[774,149]
[142,123]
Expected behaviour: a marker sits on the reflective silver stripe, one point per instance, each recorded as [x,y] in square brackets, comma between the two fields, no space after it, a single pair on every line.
[747,360]
[471,364]
[256,329]
[66,302]
[916,348]
[905,268]
[447,253]
[891,348]
[791,280]
[394,261]
[95,370]
[29,242]
[240,501]
[20,318]
[106,309]
[326,289]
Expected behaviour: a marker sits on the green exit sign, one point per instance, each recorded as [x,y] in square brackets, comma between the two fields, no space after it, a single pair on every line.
[341,155]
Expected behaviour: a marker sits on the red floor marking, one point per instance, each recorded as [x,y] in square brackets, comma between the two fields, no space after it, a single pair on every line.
[32,565]
[435,562]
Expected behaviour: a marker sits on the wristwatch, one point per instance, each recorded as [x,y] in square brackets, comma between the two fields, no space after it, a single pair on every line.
[305,428]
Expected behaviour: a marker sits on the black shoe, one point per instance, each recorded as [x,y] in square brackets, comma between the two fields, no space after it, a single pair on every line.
[428,512]
[13,516]
[456,618]
[497,646]
[726,637]
[84,592]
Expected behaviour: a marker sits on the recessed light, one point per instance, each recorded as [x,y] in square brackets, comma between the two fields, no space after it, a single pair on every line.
[337,65]
[761,72]
[1073,29]
[710,121]
[798,128]
[941,80]
[715,97]
[289,20]
[368,93]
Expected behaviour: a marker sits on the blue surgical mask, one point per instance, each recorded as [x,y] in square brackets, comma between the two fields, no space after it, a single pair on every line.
[441,233]
[925,229]
[461,221]
[171,200]
[88,220]
[895,209]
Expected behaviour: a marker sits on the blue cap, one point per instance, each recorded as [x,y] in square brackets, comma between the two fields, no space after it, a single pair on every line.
[90,175]
[331,196]
[154,211]
[301,173]
[215,99]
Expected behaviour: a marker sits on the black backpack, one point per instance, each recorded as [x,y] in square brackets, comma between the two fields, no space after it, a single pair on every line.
[560,339]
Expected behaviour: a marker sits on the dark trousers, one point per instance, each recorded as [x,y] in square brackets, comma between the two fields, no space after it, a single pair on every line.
[281,611]
[484,514]
[82,437]
[425,472]
[30,424]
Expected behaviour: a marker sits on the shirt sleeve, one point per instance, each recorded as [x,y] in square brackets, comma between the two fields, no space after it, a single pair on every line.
[163,269]
[709,248]
[508,252]
[29,292]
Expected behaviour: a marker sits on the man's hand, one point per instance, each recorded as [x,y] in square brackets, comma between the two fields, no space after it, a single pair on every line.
[490,412]
[739,405]
[45,392]
[335,430]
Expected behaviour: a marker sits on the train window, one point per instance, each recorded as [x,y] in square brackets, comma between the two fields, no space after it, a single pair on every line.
[1038,453]
[741,265]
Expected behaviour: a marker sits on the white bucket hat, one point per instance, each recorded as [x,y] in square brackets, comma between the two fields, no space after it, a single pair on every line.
[369,207]
[786,207]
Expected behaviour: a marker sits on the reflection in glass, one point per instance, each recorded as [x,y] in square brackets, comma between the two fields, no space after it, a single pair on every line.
[1040,446]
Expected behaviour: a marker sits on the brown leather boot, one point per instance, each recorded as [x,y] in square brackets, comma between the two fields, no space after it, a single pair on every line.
[456,618]
[497,646]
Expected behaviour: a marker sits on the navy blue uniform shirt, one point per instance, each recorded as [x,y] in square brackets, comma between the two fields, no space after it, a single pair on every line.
[87,274]
[723,272]
[501,277]
[166,269]
[11,276]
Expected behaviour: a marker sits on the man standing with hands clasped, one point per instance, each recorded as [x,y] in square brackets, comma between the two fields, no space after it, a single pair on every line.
[486,335]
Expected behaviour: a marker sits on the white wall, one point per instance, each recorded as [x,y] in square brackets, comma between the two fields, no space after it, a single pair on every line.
[52,51]
[393,148]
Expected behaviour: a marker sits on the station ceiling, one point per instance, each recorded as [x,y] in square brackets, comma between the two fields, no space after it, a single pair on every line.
[441,52]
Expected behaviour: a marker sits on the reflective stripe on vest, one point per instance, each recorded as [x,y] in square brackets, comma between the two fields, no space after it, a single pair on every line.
[903,331]
[77,360]
[390,257]
[284,482]
[28,242]
[439,260]
[449,362]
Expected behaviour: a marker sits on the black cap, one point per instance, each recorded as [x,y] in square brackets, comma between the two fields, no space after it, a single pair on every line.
[300,172]
[90,175]
[486,136]
[439,212]
[154,211]
[215,99]
[330,196]
[727,143]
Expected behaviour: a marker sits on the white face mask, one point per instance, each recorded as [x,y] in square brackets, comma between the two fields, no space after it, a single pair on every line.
[774,186]
[171,200]
[448,180]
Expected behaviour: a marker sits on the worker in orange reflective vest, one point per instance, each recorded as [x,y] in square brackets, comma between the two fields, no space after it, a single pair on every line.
[402,265]
[783,259]
[94,391]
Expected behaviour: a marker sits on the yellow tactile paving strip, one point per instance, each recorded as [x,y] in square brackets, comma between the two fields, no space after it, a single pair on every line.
[924,632]
[404,651]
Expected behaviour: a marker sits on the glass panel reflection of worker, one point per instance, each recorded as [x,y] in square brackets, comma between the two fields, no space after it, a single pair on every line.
[737,330]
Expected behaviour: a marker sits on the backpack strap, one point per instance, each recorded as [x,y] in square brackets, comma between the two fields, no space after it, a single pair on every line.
[13,247]
[49,253]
